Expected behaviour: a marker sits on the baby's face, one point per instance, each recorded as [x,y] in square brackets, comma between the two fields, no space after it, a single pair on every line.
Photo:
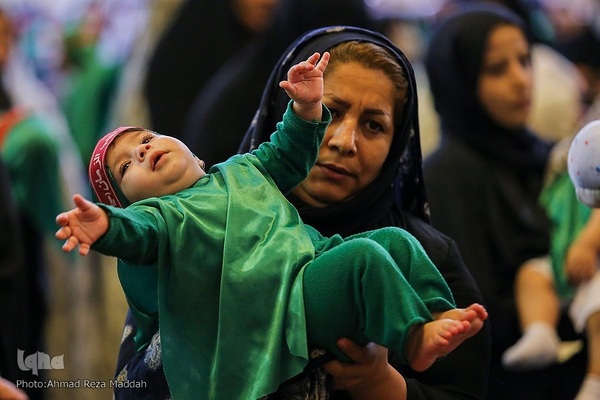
[145,164]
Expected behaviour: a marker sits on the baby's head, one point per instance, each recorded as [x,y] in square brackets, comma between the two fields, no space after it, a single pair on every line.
[132,163]
[584,164]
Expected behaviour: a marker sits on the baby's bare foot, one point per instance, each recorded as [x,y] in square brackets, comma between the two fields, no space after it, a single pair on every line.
[437,338]
[432,340]
[473,312]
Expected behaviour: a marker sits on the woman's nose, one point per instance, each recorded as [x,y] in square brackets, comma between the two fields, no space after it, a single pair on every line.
[521,75]
[343,138]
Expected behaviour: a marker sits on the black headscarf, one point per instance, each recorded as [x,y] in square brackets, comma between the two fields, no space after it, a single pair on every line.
[399,185]
[453,63]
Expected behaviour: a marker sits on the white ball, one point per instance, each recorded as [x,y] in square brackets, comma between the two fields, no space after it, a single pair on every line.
[584,164]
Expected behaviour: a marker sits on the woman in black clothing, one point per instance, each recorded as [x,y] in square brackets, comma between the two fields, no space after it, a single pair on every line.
[484,180]
[228,101]
[203,35]
[336,199]
[13,278]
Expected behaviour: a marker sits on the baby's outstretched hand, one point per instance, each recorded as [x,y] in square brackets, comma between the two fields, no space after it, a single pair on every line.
[82,225]
[304,82]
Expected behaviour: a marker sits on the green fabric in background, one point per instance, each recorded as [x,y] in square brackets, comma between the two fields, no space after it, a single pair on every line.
[568,217]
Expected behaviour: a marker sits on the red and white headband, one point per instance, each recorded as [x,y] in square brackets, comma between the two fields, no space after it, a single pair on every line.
[100,180]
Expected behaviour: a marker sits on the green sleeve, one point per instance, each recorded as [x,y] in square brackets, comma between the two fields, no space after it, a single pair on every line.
[133,234]
[86,103]
[293,149]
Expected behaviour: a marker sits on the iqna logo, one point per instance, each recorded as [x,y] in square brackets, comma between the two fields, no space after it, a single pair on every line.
[39,360]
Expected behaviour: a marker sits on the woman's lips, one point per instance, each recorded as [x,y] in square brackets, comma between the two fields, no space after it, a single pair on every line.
[333,171]
[523,103]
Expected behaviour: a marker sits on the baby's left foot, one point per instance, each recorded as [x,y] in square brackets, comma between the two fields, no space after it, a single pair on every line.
[437,338]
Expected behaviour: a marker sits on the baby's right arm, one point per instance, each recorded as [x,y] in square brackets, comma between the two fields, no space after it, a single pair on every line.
[82,225]
[304,85]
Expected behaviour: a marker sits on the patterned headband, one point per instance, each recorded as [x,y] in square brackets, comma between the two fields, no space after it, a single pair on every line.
[102,183]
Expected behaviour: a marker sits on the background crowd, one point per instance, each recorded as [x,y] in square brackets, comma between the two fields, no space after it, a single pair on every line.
[72,70]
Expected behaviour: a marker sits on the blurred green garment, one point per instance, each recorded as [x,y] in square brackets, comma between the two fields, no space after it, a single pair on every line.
[568,216]
[31,154]
[87,95]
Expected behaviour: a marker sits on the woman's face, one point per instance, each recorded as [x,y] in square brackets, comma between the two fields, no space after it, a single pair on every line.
[255,15]
[358,139]
[505,82]
[5,37]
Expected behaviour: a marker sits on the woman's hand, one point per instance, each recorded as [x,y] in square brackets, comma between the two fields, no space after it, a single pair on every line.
[581,262]
[370,376]
[582,257]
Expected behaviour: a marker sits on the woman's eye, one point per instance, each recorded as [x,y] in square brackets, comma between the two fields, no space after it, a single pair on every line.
[334,113]
[525,60]
[495,69]
[374,126]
